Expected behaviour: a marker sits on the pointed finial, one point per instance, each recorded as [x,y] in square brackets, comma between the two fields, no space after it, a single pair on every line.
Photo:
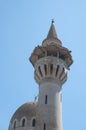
[52,37]
[52,21]
[52,31]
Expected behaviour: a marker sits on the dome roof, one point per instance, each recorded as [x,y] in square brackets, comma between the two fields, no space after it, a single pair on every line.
[27,110]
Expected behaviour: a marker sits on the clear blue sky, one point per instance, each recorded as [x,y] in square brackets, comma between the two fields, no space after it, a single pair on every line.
[23,26]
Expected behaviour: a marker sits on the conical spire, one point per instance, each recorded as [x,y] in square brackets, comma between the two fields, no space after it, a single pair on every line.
[52,31]
[51,37]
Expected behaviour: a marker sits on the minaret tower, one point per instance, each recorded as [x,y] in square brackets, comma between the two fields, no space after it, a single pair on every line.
[51,62]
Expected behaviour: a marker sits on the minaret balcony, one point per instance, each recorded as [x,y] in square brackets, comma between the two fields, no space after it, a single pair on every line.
[50,68]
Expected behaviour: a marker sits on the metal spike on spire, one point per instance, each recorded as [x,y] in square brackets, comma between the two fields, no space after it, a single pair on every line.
[52,31]
[52,20]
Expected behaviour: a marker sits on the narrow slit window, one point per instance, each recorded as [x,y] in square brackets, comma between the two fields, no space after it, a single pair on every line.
[57,69]
[46,99]
[44,127]
[45,68]
[40,71]
[61,73]
[51,68]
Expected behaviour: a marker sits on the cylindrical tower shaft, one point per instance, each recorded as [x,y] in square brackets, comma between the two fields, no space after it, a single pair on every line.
[50,73]
[49,107]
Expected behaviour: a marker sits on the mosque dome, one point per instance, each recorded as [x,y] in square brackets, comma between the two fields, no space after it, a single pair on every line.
[24,117]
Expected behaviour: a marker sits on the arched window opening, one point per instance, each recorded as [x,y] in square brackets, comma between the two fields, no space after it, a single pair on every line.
[61,73]
[62,57]
[51,68]
[23,122]
[14,125]
[52,53]
[40,71]
[45,68]
[57,69]
[33,122]
[45,99]
[44,127]
[41,55]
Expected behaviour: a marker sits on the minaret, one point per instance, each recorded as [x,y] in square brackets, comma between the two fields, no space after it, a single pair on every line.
[51,62]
